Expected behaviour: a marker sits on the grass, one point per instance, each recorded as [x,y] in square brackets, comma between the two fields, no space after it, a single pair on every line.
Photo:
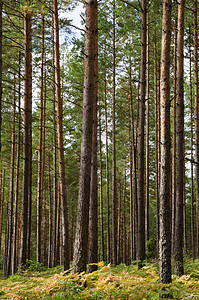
[122,282]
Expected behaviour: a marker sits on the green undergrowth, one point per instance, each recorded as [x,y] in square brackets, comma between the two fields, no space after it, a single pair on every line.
[122,282]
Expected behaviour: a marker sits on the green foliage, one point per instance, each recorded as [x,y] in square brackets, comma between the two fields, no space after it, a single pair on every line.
[122,282]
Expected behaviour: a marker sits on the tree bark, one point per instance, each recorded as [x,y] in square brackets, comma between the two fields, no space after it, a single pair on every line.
[15,225]
[81,238]
[174,139]
[141,206]
[107,179]
[124,222]
[8,255]
[192,184]
[196,116]
[178,255]
[27,136]
[55,185]
[50,221]
[165,205]
[147,133]
[156,147]
[65,245]
[93,209]
[40,154]
[101,195]
[133,199]
[114,186]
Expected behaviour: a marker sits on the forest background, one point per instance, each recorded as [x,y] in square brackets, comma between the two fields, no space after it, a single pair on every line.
[128,133]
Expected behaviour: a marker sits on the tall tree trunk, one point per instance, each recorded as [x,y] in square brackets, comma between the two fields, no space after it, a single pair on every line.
[15,229]
[165,205]
[192,184]
[133,200]
[65,245]
[132,219]
[50,214]
[45,239]
[141,211]
[81,238]
[101,194]
[58,227]
[196,116]
[55,185]
[114,187]
[178,249]
[156,147]
[93,209]
[174,139]
[124,221]
[27,136]
[119,223]
[8,257]
[107,179]
[147,135]
[71,234]
[40,154]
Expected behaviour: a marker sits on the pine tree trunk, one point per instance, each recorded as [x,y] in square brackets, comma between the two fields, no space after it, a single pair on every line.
[165,205]
[65,245]
[57,258]
[8,255]
[55,185]
[15,229]
[119,223]
[50,221]
[196,116]
[192,184]
[147,136]
[93,209]
[178,248]
[141,210]
[107,179]
[174,139]
[156,147]
[124,222]
[114,187]
[27,137]
[45,242]
[101,195]
[71,235]
[81,239]
[133,200]
[40,154]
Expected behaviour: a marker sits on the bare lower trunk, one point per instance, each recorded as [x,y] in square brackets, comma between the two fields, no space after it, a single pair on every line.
[165,201]
[27,137]
[81,238]
[192,184]
[147,137]
[107,179]
[141,210]
[114,186]
[101,197]
[178,249]
[196,116]
[93,210]
[65,231]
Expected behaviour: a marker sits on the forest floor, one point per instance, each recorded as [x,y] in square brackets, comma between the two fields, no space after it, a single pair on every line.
[122,282]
